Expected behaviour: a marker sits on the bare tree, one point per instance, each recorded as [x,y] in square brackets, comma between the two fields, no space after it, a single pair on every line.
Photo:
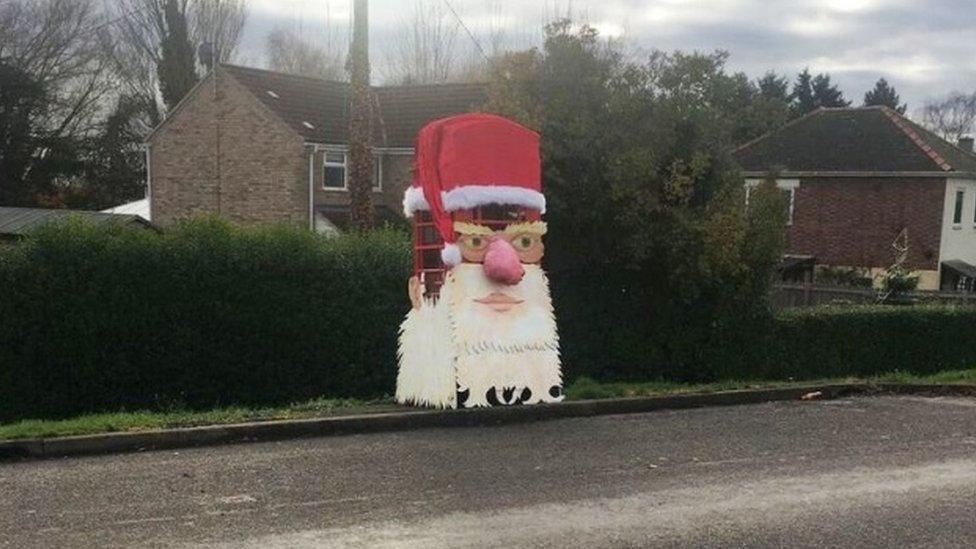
[219,22]
[58,43]
[289,52]
[142,28]
[952,117]
[424,49]
[137,51]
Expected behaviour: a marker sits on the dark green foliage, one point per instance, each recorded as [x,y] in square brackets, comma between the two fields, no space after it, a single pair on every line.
[774,87]
[884,95]
[106,319]
[114,168]
[32,159]
[177,62]
[826,94]
[813,92]
[868,340]
[113,319]
[644,202]
[803,101]
[607,333]
[41,169]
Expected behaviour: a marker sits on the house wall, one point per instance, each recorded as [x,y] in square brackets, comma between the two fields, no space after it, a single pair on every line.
[959,240]
[223,152]
[852,222]
[396,176]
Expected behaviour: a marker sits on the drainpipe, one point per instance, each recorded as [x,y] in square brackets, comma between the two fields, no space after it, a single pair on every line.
[148,163]
[312,150]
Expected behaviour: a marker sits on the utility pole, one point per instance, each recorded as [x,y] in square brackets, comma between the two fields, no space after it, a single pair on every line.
[360,123]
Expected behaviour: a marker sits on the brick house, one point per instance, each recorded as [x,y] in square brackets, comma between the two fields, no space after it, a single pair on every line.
[257,146]
[858,178]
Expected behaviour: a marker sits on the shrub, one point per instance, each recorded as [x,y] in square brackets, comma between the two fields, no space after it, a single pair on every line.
[98,319]
[109,318]
[613,328]
[867,340]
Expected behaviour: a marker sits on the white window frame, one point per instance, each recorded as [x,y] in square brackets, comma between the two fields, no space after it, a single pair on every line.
[782,184]
[378,172]
[959,202]
[344,165]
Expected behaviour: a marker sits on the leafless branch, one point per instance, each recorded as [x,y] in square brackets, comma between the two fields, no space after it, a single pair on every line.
[424,47]
[952,117]
[289,52]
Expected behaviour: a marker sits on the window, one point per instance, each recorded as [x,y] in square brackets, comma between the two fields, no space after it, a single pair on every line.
[790,199]
[335,171]
[377,172]
[334,176]
[957,214]
[787,186]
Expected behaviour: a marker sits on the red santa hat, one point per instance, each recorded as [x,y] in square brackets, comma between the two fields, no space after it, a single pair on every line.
[473,160]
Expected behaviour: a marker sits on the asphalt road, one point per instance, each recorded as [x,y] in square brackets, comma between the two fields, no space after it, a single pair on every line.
[867,472]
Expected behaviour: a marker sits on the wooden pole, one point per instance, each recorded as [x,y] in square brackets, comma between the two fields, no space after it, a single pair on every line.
[360,123]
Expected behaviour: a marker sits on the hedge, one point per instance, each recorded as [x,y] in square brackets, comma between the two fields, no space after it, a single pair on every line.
[612,329]
[107,318]
[111,318]
[609,331]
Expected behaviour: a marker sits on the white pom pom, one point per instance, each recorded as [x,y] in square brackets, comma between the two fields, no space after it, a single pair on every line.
[451,255]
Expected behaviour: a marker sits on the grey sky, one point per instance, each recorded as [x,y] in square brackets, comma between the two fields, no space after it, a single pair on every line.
[925,48]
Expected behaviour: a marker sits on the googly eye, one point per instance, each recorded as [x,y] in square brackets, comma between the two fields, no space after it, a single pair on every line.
[524,242]
[475,242]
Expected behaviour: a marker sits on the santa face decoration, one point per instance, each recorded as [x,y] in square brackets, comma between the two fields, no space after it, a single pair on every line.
[481,331]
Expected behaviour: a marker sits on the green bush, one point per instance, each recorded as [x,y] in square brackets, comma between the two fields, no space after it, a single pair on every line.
[99,319]
[867,340]
[109,318]
[614,328]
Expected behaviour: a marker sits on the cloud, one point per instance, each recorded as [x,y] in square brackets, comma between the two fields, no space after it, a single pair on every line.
[925,49]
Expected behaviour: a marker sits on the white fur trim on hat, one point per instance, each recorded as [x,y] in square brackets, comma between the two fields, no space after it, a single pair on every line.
[472,196]
[451,255]
[413,201]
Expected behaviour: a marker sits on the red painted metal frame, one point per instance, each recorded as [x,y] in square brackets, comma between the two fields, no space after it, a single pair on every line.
[427,252]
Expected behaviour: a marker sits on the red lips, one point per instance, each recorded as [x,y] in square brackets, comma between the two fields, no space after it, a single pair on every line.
[498,301]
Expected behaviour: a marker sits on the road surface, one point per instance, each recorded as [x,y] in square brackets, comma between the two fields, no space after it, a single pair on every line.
[866,472]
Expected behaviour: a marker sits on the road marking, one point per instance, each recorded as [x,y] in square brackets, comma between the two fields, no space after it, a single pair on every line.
[237,500]
[131,522]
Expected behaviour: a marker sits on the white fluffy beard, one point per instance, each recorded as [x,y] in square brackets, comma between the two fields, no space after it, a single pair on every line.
[427,376]
[493,357]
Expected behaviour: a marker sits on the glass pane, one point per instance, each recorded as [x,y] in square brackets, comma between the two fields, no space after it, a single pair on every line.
[957,214]
[429,235]
[377,172]
[788,198]
[335,178]
[336,157]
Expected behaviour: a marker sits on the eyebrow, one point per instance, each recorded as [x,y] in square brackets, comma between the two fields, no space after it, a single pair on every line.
[533,227]
[472,229]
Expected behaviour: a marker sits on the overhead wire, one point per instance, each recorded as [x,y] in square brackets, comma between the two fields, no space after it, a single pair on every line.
[467,30]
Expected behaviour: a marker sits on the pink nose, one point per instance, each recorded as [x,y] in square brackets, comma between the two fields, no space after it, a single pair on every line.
[502,264]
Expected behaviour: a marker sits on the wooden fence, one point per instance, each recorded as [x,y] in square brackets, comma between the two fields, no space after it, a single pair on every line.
[809,295]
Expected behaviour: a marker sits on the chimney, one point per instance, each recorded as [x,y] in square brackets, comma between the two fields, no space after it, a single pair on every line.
[966,144]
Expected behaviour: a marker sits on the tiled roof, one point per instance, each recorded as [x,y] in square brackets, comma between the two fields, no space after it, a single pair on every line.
[318,110]
[21,221]
[850,140]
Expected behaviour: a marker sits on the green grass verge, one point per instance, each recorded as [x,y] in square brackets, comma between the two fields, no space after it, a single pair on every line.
[583,388]
[145,420]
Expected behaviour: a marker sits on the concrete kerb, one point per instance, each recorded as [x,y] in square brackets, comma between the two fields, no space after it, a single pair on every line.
[418,419]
